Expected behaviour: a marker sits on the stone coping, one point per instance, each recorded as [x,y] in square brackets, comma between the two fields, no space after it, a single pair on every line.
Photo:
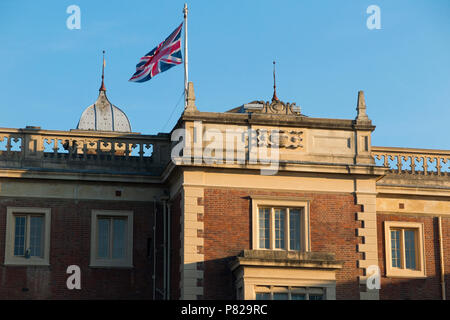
[275,120]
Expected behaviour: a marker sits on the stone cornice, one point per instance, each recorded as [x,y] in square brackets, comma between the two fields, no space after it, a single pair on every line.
[86,133]
[78,176]
[301,166]
[275,120]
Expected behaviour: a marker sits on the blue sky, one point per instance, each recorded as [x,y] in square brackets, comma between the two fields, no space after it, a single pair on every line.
[324,52]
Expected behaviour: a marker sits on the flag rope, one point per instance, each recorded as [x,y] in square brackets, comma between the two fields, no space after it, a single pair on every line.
[174,108]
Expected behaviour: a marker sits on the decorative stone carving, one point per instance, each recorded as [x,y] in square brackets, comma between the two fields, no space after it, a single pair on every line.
[291,139]
[286,139]
[273,107]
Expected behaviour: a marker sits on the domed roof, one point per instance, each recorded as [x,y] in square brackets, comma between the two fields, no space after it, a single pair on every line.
[104,116]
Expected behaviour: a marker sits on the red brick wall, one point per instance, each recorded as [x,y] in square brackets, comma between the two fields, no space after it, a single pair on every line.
[70,244]
[416,289]
[227,231]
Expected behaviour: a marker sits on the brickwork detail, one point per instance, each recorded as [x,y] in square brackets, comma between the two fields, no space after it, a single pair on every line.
[70,244]
[416,289]
[228,225]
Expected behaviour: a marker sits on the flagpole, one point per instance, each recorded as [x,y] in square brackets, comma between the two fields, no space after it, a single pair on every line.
[186,77]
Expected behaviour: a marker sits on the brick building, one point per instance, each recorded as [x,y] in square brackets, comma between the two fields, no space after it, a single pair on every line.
[263,202]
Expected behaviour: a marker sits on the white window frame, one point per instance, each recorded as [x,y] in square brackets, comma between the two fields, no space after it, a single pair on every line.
[275,203]
[10,258]
[127,261]
[395,272]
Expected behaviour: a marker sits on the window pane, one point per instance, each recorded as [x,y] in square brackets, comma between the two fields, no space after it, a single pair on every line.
[118,238]
[103,238]
[262,296]
[264,228]
[298,296]
[395,248]
[410,249]
[294,229]
[315,297]
[36,236]
[280,296]
[280,218]
[19,236]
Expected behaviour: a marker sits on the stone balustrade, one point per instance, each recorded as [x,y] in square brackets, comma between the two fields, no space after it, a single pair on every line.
[425,162]
[78,150]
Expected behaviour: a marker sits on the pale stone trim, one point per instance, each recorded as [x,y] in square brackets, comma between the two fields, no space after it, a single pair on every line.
[248,277]
[421,206]
[191,243]
[77,176]
[127,262]
[288,182]
[76,190]
[10,259]
[268,189]
[368,232]
[402,190]
[414,214]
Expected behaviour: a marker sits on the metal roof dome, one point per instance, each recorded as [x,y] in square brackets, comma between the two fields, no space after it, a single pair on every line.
[103,115]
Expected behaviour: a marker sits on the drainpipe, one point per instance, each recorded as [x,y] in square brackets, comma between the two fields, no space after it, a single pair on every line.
[154,249]
[441,251]
[165,250]
[169,252]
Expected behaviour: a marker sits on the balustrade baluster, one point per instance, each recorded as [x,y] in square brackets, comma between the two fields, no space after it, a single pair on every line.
[55,147]
[85,150]
[413,164]
[399,163]
[113,150]
[127,151]
[141,152]
[425,165]
[99,150]
[8,146]
[386,160]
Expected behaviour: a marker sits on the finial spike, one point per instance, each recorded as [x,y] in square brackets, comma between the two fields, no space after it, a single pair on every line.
[274,98]
[361,107]
[102,87]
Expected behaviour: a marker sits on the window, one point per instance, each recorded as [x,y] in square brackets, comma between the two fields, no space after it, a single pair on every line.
[27,236]
[280,224]
[289,293]
[404,249]
[112,238]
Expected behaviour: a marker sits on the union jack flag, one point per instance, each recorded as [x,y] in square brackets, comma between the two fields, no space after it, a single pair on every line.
[166,55]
